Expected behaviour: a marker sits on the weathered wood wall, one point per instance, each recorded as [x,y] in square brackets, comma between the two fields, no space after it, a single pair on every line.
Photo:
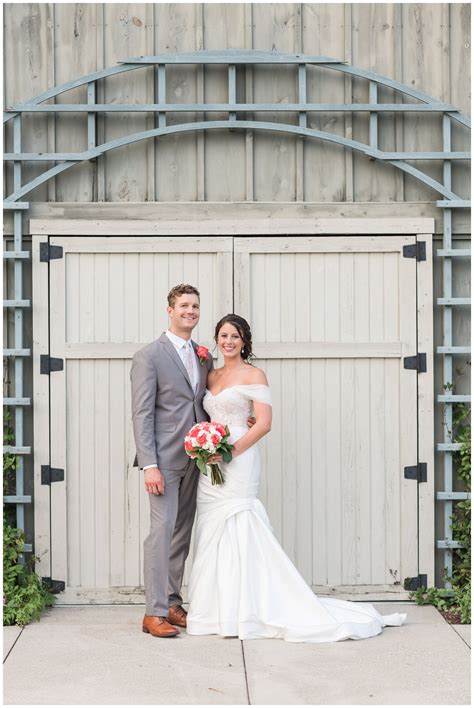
[425,46]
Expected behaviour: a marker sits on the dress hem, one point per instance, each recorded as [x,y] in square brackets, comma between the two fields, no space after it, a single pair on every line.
[311,634]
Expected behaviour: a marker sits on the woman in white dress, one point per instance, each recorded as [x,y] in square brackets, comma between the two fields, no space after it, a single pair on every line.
[242,583]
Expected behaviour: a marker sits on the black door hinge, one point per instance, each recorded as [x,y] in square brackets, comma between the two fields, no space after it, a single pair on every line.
[49,252]
[54,586]
[51,474]
[50,363]
[415,250]
[418,472]
[418,362]
[419,581]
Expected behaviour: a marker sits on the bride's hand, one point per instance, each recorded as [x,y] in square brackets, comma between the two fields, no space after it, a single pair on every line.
[213,459]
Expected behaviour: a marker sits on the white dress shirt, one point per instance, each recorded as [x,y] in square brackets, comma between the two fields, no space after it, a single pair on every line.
[180,345]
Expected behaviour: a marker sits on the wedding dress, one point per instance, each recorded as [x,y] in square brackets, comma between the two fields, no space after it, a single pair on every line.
[242,583]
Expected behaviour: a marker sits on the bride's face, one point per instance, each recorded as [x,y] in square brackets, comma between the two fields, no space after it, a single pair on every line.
[229,341]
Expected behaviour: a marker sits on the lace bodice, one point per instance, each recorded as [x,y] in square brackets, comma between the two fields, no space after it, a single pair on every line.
[232,406]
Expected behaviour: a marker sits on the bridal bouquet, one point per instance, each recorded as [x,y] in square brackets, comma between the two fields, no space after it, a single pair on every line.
[205,439]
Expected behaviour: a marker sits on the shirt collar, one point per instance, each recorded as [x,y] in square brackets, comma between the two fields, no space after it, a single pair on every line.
[177,341]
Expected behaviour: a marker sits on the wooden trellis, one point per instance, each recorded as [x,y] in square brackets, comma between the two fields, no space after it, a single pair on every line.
[240,117]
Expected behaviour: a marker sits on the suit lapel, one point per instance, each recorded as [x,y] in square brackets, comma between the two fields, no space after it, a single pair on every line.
[201,368]
[171,351]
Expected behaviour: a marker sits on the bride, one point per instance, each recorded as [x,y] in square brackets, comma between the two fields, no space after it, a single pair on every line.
[242,584]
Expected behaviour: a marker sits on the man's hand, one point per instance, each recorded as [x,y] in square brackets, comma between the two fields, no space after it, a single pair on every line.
[251,421]
[154,481]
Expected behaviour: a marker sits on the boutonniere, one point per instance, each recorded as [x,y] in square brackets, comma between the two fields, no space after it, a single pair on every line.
[202,353]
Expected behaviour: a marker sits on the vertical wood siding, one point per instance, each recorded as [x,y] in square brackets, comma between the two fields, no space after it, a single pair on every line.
[28,52]
[344,422]
[343,426]
[75,54]
[112,299]
[423,45]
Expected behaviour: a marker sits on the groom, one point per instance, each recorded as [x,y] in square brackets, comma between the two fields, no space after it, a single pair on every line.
[168,383]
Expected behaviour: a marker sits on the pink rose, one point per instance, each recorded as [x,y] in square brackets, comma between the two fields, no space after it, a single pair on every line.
[202,353]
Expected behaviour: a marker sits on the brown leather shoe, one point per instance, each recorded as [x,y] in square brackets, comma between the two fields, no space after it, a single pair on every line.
[158,627]
[177,616]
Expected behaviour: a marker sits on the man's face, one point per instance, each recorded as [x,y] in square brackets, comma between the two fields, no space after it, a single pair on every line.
[185,314]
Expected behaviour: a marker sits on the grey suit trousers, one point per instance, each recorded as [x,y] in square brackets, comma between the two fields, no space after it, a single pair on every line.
[167,545]
[164,408]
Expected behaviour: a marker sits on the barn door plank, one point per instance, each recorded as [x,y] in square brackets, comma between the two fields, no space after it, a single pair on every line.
[108,299]
[332,319]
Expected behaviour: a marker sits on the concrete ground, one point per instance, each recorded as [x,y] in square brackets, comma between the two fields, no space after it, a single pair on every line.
[98,655]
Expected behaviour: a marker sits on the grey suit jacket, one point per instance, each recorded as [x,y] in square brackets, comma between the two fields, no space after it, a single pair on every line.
[164,405]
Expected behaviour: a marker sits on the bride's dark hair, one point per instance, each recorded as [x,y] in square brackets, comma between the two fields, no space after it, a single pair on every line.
[243,328]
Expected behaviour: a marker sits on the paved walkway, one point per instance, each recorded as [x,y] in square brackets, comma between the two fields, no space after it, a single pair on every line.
[98,655]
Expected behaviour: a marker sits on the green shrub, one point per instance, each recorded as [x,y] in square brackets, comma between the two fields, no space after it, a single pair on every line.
[439,597]
[24,595]
[457,600]
[461,518]
[462,600]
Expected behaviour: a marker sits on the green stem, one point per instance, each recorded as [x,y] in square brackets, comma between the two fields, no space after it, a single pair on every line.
[216,474]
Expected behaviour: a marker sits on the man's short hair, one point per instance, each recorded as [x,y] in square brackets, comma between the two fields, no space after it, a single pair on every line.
[182,289]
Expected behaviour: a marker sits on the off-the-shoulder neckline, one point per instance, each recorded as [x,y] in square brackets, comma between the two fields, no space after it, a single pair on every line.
[235,386]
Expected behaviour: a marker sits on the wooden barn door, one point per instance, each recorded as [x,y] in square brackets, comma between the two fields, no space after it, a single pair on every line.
[108,299]
[332,319]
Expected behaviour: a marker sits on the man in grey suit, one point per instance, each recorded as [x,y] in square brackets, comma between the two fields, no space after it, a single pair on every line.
[168,383]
